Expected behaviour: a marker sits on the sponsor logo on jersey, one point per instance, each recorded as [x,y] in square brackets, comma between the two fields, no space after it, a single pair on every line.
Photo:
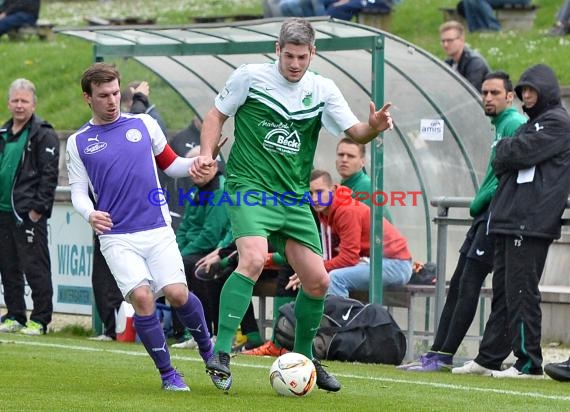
[95,148]
[282,141]
[133,135]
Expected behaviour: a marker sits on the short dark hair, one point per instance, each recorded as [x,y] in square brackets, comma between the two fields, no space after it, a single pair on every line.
[297,31]
[500,75]
[348,140]
[97,74]
[317,174]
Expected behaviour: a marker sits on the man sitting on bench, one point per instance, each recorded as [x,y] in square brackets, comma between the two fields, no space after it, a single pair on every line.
[480,15]
[345,238]
[18,13]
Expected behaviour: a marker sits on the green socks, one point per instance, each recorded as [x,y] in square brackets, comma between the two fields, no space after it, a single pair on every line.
[234,300]
[308,311]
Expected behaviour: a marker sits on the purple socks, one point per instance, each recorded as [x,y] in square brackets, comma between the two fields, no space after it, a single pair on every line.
[152,337]
[191,314]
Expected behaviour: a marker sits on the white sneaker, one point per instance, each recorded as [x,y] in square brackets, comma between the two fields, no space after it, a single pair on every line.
[101,338]
[513,372]
[33,328]
[187,344]
[10,326]
[472,368]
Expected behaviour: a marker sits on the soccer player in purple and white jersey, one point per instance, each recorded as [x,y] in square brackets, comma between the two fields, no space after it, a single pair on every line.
[116,156]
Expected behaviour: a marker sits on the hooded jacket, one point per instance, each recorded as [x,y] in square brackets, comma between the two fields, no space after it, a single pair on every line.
[36,178]
[348,222]
[533,167]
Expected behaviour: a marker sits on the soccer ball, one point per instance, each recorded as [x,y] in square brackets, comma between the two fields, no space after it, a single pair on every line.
[293,374]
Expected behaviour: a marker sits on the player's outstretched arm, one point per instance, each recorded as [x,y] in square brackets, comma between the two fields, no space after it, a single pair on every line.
[378,121]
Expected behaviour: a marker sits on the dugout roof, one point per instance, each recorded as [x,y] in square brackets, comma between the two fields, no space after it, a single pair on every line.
[365,63]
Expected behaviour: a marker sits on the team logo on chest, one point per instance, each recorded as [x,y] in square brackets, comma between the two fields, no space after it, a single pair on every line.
[307,98]
[133,135]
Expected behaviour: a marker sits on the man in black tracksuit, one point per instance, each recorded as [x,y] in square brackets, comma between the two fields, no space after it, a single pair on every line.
[533,169]
[29,155]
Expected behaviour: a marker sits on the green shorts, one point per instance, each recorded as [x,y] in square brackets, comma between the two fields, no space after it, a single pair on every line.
[252,214]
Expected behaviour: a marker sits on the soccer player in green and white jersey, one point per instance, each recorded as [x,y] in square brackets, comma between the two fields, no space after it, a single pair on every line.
[279,109]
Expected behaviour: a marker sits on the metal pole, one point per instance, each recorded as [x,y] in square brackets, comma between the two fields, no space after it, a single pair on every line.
[377,161]
[440,263]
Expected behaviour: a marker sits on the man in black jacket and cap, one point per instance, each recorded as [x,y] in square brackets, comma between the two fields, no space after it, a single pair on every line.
[533,169]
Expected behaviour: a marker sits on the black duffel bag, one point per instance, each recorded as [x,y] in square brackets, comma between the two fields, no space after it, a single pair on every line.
[349,331]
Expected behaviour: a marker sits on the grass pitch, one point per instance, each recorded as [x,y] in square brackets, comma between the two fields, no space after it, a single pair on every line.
[52,373]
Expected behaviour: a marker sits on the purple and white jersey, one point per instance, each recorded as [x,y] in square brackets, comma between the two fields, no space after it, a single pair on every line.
[117,161]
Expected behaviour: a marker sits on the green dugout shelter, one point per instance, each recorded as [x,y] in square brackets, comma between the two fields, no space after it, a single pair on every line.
[441,139]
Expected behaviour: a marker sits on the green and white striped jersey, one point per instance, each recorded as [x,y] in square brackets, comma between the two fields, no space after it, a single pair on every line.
[277,124]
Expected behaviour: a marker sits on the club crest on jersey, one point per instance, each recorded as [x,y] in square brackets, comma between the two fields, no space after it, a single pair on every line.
[282,141]
[308,99]
[133,135]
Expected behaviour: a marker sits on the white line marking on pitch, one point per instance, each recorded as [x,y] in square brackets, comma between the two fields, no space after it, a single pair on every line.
[379,379]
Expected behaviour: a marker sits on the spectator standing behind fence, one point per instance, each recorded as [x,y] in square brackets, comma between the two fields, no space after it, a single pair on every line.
[480,15]
[18,13]
[525,214]
[117,154]
[279,109]
[29,156]
[468,63]
[562,25]
[475,255]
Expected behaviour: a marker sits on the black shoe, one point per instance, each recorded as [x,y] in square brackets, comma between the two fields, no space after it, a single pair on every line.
[325,380]
[559,371]
[218,367]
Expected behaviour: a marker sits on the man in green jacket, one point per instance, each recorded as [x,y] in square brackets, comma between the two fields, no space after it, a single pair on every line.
[350,161]
[476,254]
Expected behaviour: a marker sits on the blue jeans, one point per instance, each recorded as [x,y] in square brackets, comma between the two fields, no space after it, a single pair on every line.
[480,15]
[395,272]
[15,21]
[302,8]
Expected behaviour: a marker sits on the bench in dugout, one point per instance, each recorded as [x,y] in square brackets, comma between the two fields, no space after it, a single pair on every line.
[225,18]
[399,297]
[43,29]
[375,18]
[406,297]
